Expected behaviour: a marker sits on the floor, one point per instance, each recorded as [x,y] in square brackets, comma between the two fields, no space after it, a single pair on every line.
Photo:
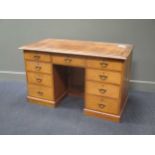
[17,116]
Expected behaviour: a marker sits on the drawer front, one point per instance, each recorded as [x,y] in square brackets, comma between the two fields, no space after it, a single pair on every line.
[102,104]
[105,64]
[103,76]
[37,56]
[39,79]
[69,61]
[101,89]
[38,67]
[40,92]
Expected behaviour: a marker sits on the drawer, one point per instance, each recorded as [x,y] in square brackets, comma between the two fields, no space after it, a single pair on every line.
[38,67]
[102,89]
[105,64]
[39,78]
[68,60]
[103,76]
[102,104]
[37,56]
[40,92]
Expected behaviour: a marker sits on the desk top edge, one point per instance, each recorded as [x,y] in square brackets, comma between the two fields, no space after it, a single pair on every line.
[81,48]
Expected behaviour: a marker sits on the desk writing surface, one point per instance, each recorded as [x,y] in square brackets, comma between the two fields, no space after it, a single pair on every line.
[82,48]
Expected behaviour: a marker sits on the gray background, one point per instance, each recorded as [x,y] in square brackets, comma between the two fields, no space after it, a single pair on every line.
[141,33]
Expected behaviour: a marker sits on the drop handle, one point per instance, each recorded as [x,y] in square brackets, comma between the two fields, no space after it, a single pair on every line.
[40,93]
[38,68]
[104,64]
[103,77]
[101,106]
[102,91]
[39,80]
[37,57]
[68,60]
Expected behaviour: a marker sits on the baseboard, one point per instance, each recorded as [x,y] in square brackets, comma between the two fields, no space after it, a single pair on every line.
[102,115]
[148,86]
[134,84]
[43,102]
[12,75]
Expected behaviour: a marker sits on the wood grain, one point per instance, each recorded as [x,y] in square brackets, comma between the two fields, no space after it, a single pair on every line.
[39,67]
[40,79]
[43,102]
[82,48]
[101,89]
[68,60]
[102,104]
[103,115]
[104,64]
[103,76]
[37,56]
[40,92]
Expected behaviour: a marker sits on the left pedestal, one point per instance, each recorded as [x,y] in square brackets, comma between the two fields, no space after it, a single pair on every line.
[39,73]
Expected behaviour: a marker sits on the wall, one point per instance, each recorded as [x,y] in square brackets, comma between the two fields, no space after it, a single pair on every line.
[141,33]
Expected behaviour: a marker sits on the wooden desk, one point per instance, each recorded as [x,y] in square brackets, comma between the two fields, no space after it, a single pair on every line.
[97,71]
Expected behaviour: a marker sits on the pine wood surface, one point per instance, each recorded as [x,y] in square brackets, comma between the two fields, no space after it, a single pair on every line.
[83,48]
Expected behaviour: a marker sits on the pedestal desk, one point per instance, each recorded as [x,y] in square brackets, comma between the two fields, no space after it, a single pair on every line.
[97,71]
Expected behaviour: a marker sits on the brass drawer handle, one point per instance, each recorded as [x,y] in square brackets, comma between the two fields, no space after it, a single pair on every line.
[67,60]
[38,68]
[103,77]
[102,91]
[101,106]
[38,80]
[37,57]
[40,93]
[104,64]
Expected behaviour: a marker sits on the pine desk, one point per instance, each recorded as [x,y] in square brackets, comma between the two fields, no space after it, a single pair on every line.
[97,71]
